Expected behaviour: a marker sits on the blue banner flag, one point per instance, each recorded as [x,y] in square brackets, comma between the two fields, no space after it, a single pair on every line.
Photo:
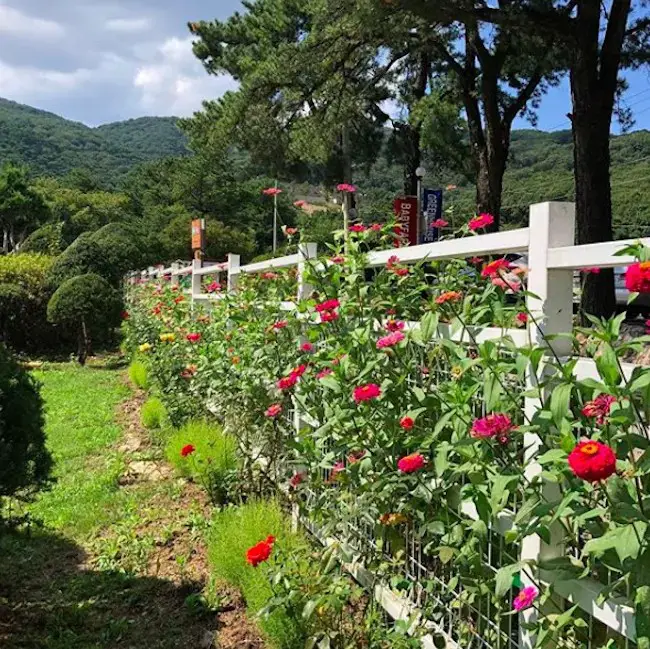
[431,210]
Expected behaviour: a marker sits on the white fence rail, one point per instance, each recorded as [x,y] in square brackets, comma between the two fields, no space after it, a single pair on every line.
[552,259]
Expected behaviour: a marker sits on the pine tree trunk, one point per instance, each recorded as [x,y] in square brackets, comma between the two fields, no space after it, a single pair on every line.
[83,343]
[489,182]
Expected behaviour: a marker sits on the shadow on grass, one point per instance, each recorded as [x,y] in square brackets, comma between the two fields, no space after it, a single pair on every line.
[50,600]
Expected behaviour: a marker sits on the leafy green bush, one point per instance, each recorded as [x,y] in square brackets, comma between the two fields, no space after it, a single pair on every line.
[153,413]
[48,240]
[89,305]
[212,462]
[138,374]
[25,462]
[234,531]
[24,294]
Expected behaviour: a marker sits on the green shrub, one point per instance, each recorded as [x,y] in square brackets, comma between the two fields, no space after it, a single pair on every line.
[87,304]
[25,462]
[24,294]
[48,240]
[233,531]
[153,413]
[138,375]
[213,462]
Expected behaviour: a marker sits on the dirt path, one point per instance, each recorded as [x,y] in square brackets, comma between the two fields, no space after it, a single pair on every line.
[139,582]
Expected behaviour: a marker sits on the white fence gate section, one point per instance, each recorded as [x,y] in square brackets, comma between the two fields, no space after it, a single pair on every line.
[552,261]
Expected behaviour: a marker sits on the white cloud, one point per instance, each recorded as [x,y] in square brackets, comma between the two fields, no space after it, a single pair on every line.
[173,82]
[128,25]
[15,22]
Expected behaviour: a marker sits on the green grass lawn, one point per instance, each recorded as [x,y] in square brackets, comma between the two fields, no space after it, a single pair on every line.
[81,434]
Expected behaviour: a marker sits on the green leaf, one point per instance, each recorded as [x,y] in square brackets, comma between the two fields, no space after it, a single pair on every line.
[310,607]
[504,578]
[607,365]
[640,382]
[624,539]
[428,326]
[500,485]
[446,554]
[560,400]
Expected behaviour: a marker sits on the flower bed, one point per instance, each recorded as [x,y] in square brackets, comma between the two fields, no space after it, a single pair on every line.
[400,431]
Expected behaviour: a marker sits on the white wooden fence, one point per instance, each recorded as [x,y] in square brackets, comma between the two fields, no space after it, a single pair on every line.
[552,260]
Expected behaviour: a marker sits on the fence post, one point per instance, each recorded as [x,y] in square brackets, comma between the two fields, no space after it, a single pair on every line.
[233,271]
[306,251]
[175,277]
[551,305]
[197,264]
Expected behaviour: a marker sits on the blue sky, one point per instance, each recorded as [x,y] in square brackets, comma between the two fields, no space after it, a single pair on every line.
[97,61]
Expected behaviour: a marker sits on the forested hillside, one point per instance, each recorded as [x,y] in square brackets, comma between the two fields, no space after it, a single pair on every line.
[52,145]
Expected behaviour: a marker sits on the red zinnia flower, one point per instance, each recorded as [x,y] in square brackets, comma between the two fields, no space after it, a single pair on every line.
[592,461]
[476,260]
[637,278]
[522,318]
[448,296]
[339,259]
[366,392]
[494,268]
[299,371]
[376,227]
[323,373]
[188,449]
[270,275]
[329,316]
[273,410]
[346,188]
[390,340]
[494,425]
[395,325]
[179,299]
[647,326]
[194,337]
[599,407]
[296,479]
[406,423]
[357,227]
[481,221]
[439,223]
[281,324]
[125,315]
[411,463]
[307,348]
[291,231]
[260,552]
[328,305]
[287,382]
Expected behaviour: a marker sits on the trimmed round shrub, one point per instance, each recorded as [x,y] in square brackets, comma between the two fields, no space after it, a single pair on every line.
[87,304]
[202,451]
[153,413]
[25,462]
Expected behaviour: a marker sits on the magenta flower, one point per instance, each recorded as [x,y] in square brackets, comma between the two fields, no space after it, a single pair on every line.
[271,191]
[391,340]
[439,223]
[346,188]
[525,598]
[480,222]
[496,425]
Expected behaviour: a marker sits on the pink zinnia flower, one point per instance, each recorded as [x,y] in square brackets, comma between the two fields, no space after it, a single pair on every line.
[510,285]
[357,227]
[480,222]
[366,392]
[213,287]
[273,410]
[299,371]
[525,598]
[393,260]
[476,260]
[296,479]
[346,188]
[338,259]
[281,324]
[290,231]
[375,227]
[637,278]
[271,191]
[194,337]
[647,326]
[390,340]
[599,408]
[270,275]
[307,348]
[323,373]
[590,271]
[300,204]
[494,425]
[411,463]
[439,223]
